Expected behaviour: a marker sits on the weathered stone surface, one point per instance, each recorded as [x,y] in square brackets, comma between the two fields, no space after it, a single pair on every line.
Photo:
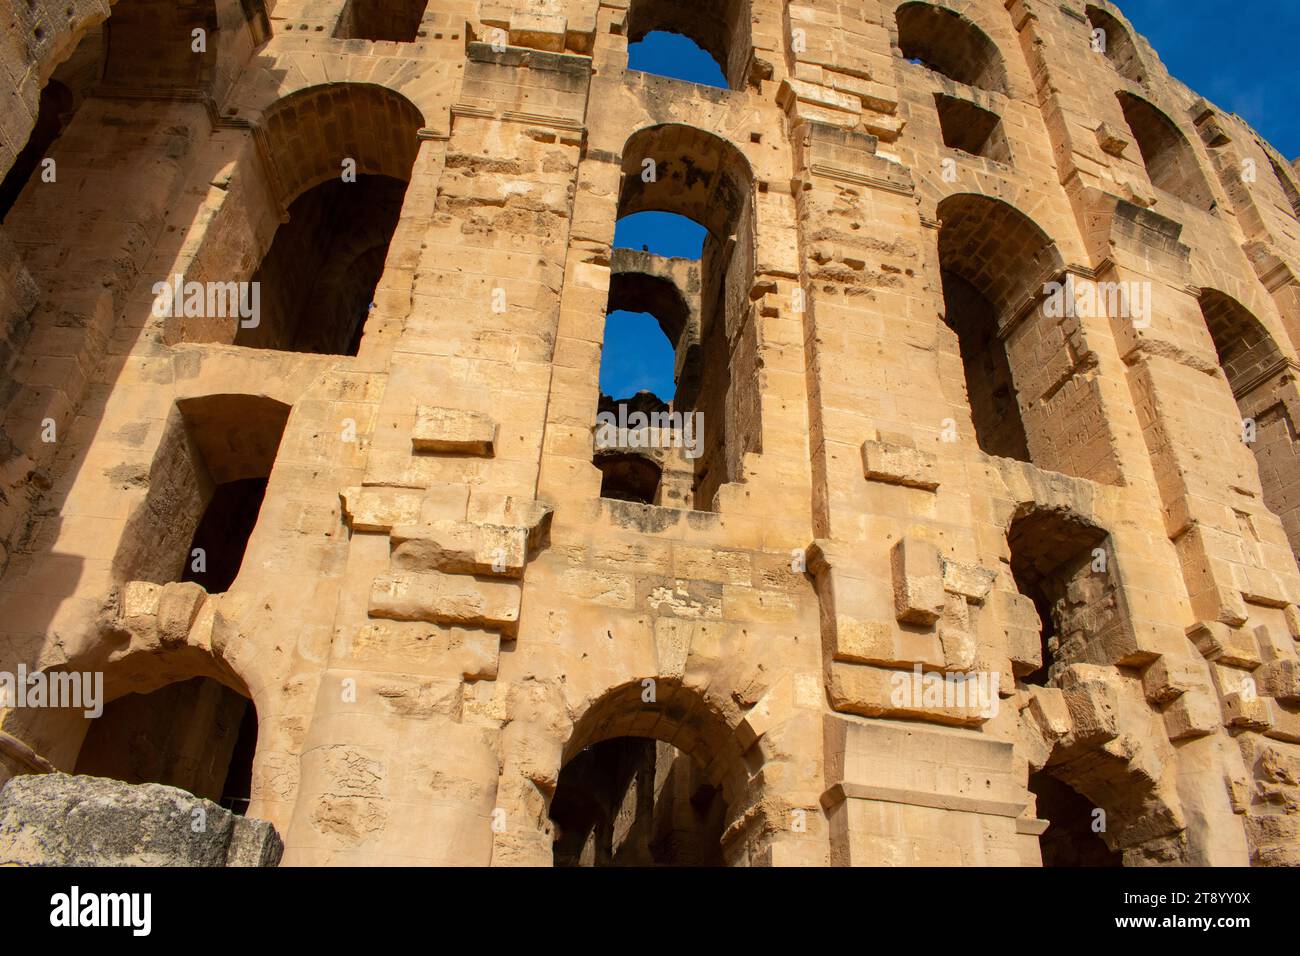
[56,819]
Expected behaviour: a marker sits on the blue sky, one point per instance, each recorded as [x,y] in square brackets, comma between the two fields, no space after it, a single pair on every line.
[1244,61]
[1241,56]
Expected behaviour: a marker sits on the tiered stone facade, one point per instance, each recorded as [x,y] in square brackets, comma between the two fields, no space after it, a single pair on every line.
[914,458]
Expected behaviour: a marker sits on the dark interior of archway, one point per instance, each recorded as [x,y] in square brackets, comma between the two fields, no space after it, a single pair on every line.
[319,277]
[1051,563]
[629,477]
[223,533]
[632,801]
[946,42]
[995,413]
[1069,839]
[198,735]
[1120,48]
[56,107]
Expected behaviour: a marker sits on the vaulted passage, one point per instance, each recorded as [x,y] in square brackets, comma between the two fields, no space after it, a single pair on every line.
[197,734]
[949,43]
[1169,158]
[1058,561]
[395,20]
[318,280]
[721,29]
[1261,380]
[205,490]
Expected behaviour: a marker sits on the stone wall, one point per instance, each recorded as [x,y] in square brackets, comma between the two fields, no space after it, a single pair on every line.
[923,472]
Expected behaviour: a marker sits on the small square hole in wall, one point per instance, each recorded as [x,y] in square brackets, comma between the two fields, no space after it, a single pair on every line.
[756,137]
[972,129]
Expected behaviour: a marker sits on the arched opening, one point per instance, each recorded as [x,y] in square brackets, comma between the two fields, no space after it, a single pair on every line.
[648,783]
[319,277]
[721,30]
[993,263]
[1258,373]
[1169,158]
[197,734]
[946,42]
[1286,179]
[1062,564]
[206,485]
[1072,837]
[1116,43]
[703,306]
[397,21]
[345,191]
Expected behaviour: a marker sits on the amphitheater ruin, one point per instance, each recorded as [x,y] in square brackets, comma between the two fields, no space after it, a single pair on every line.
[983,553]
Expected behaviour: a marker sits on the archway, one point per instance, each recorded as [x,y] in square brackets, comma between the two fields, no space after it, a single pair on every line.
[721,29]
[994,263]
[1170,161]
[1116,43]
[949,43]
[690,173]
[652,775]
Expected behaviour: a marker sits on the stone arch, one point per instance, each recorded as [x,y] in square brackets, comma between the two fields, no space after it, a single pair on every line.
[950,43]
[707,179]
[1261,376]
[310,131]
[681,718]
[657,295]
[1121,49]
[720,29]
[1171,162]
[994,263]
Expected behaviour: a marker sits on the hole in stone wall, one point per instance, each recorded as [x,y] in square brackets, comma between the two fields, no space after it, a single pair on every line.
[205,487]
[1169,159]
[198,735]
[319,277]
[629,477]
[971,129]
[397,21]
[1120,48]
[1070,839]
[1053,562]
[949,43]
[720,29]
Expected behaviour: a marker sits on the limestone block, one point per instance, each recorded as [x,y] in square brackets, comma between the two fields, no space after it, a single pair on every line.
[956,634]
[1194,714]
[1170,677]
[178,606]
[918,581]
[1093,701]
[1227,645]
[538,31]
[932,696]
[379,508]
[139,609]
[445,598]
[672,645]
[1247,712]
[895,463]
[1022,628]
[1281,679]
[798,90]
[458,547]
[1111,140]
[1049,710]
[971,581]
[453,430]
[56,819]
